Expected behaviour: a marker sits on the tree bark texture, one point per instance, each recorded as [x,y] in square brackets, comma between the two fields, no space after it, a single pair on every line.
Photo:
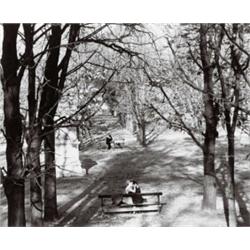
[33,138]
[50,194]
[209,198]
[230,116]
[47,110]
[14,182]
[34,168]
[55,77]
[231,91]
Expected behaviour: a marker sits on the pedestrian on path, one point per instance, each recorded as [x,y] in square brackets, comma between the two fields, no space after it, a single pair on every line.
[109,139]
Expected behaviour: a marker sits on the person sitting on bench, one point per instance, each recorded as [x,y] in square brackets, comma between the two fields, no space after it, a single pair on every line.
[134,190]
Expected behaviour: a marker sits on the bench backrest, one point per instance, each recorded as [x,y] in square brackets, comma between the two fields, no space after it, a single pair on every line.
[128,195]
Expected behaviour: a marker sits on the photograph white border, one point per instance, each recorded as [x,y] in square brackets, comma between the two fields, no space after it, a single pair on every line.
[157,11]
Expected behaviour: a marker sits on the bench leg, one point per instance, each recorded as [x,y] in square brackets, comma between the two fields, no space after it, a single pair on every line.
[102,205]
[159,203]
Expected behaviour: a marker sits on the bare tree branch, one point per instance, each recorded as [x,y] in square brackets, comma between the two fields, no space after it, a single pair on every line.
[189,131]
[61,121]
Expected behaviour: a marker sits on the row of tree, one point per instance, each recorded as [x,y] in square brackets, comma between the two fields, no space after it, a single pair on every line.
[37,63]
[210,64]
[190,77]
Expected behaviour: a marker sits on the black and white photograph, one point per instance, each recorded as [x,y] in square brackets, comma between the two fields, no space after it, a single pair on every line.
[124,124]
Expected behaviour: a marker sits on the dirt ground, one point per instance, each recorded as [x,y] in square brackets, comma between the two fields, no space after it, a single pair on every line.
[171,165]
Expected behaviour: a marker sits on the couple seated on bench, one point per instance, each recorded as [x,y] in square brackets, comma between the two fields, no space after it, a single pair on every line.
[134,190]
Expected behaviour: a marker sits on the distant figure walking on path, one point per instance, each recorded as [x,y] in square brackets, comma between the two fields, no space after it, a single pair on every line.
[109,139]
[134,190]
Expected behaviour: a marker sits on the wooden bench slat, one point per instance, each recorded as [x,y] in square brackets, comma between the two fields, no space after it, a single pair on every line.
[137,205]
[134,209]
[128,195]
[131,211]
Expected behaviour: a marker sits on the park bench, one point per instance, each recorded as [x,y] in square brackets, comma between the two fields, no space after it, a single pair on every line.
[119,142]
[152,203]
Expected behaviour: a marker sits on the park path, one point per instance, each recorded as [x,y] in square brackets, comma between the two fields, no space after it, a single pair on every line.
[172,165]
[116,170]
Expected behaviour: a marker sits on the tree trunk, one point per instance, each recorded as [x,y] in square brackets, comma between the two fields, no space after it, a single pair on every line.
[228,91]
[35,181]
[47,110]
[52,90]
[228,193]
[33,140]
[14,190]
[209,195]
[14,182]
[231,118]
[232,217]
[142,133]
[231,115]
[50,195]
[211,119]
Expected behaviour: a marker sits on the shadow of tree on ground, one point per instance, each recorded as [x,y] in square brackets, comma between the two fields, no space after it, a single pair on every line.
[151,168]
[242,173]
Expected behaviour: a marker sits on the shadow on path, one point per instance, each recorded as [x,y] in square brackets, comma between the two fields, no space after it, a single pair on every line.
[144,165]
[123,166]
